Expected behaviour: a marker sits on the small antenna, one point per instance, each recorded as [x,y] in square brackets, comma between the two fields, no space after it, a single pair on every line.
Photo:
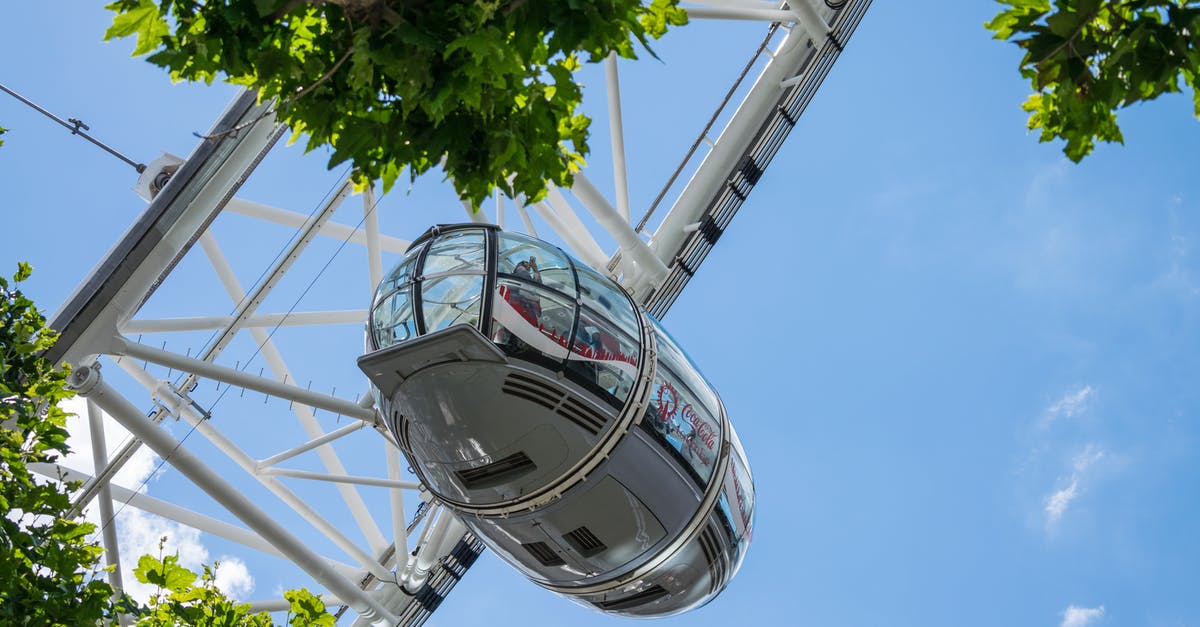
[77,127]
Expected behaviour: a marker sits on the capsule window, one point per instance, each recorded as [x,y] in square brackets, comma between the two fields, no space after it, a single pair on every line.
[603,296]
[530,260]
[678,417]
[531,321]
[456,252]
[392,319]
[451,299]
[603,358]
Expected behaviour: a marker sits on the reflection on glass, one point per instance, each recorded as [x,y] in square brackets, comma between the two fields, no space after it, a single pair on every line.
[460,251]
[450,300]
[678,416]
[603,296]
[603,358]
[531,320]
[737,504]
[534,261]
[392,318]
[678,361]
[400,275]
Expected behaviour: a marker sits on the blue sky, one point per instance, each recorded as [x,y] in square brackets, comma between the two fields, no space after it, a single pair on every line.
[965,369]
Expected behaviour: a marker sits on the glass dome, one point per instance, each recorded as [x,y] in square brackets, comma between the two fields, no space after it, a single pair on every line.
[541,305]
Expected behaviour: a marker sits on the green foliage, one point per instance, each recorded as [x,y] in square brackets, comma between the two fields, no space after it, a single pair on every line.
[179,602]
[48,568]
[1087,58]
[47,565]
[394,85]
[2,131]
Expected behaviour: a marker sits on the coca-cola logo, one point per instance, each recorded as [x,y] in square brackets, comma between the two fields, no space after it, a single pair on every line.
[703,429]
[667,402]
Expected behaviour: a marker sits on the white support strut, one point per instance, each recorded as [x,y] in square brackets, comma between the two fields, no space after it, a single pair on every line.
[296,220]
[224,374]
[205,323]
[86,380]
[173,403]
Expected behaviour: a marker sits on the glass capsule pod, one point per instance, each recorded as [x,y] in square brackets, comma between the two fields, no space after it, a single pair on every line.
[560,421]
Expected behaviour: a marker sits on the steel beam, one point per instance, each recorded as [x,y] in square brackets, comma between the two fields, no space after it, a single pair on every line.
[86,380]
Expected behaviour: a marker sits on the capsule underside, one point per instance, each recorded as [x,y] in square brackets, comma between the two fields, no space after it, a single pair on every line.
[564,426]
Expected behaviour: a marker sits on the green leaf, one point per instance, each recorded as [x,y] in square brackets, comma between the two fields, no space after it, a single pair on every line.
[144,20]
[24,270]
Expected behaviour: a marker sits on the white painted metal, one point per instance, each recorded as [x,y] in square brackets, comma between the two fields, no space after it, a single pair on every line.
[204,323]
[616,133]
[646,267]
[180,408]
[311,444]
[87,381]
[740,13]
[297,220]
[170,511]
[730,145]
[332,478]
[108,522]
[238,378]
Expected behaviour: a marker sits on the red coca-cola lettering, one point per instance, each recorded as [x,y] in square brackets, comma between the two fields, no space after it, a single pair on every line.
[667,402]
[702,428]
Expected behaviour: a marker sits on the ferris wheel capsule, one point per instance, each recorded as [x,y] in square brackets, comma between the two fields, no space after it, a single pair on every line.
[560,421]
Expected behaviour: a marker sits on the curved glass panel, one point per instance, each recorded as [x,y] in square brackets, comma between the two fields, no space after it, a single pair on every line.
[602,295]
[451,299]
[457,251]
[737,503]
[535,261]
[392,319]
[681,419]
[603,358]
[682,365]
[530,321]
[400,275]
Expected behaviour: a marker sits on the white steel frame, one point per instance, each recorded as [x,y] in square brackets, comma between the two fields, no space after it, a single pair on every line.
[388,568]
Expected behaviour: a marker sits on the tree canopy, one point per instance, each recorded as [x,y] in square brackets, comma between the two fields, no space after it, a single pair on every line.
[488,86]
[49,563]
[1085,59]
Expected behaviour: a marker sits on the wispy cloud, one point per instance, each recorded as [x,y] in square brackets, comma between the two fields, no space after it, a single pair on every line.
[1059,500]
[1075,616]
[1057,503]
[1072,404]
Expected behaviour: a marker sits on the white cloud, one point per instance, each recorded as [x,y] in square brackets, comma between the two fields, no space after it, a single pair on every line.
[1090,455]
[233,578]
[133,475]
[1056,504]
[1075,616]
[139,532]
[1070,405]
[1058,501]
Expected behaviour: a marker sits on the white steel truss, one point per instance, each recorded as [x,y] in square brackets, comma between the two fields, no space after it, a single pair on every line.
[295,493]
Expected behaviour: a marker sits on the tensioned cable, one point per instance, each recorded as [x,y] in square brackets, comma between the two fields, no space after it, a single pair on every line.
[707,127]
[258,349]
[77,127]
[212,336]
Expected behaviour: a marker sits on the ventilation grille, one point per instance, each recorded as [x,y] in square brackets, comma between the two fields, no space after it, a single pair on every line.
[553,398]
[582,415]
[497,472]
[585,542]
[543,553]
[712,554]
[532,390]
[645,597]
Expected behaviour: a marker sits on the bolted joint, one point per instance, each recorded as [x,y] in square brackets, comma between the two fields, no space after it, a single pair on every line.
[84,379]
